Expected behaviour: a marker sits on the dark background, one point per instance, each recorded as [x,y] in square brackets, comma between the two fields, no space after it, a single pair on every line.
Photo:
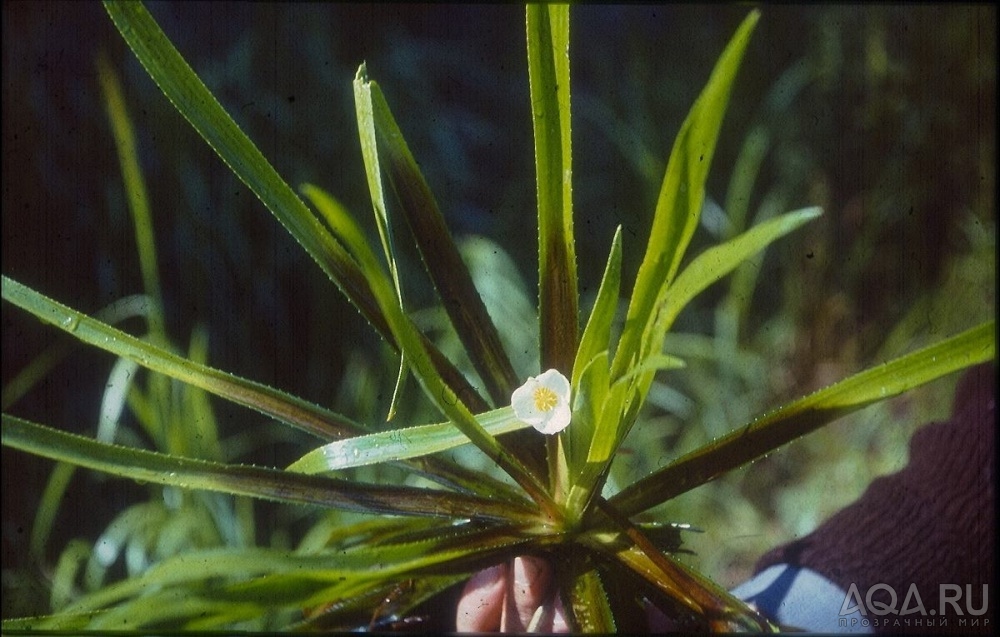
[893,133]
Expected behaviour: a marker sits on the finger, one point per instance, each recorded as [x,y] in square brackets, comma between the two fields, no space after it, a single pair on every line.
[550,617]
[480,607]
[559,623]
[528,590]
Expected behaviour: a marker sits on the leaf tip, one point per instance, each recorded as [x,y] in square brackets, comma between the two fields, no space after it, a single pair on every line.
[362,74]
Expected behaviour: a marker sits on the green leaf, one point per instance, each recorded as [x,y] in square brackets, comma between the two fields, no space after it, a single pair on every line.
[226,580]
[589,396]
[417,351]
[115,312]
[279,405]
[593,467]
[340,221]
[64,576]
[348,232]
[597,426]
[369,151]
[589,602]
[286,408]
[383,143]
[135,191]
[258,482]
[590,380]
[802,416]
[597,335]
[413,345]
[48,507]
[707,268]
[196,103]
[190,96]
[548,78]
[718,261]
[632,548]
[679,205]
[650,365]
[399,444]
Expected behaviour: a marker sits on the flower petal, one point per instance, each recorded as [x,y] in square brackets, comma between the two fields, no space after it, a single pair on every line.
[523,403]
[555,381]
[543,402]
[557,420]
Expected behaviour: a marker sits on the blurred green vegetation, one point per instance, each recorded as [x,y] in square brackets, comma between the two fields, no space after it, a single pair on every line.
[884,116]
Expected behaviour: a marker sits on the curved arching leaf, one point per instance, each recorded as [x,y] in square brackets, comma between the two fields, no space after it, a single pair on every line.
[802,416]
[680,202]
[258,482]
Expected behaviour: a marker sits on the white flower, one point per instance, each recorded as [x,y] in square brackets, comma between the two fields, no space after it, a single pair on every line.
[543,402]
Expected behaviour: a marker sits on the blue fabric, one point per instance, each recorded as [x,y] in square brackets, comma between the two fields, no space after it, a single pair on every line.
[800,598]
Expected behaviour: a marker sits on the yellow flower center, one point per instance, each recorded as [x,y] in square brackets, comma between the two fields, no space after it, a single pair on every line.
[545,399]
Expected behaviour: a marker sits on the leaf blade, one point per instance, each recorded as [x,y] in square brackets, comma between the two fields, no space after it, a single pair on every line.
[369,151]
[718,261]
[597,334]
[135,191]
[348,232]
[199,107]
[679,205]
[548,78]
[400,444]
[802,416]
[704,270]
[258,482]
[589,602]
[272,402]
[451,278]
[413,344]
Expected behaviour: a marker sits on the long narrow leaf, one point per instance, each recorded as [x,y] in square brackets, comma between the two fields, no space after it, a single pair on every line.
[597,335]
[707,268]
[190,96]
[196,103]
[115,312]
[599,415]
[589,601]
[277,404]
[349,233]
[718,261]
[284,407]
[413,343]
[681,196]
[135,190]
[444,397]
[590,382]
[259,482]
[399,444]
[369,151]
[631,547]
[269,579]
[802,416]
[453,406]
[441,257]
[548,77]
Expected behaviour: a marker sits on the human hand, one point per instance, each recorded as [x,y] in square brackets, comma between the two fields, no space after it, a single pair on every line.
[515,596]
